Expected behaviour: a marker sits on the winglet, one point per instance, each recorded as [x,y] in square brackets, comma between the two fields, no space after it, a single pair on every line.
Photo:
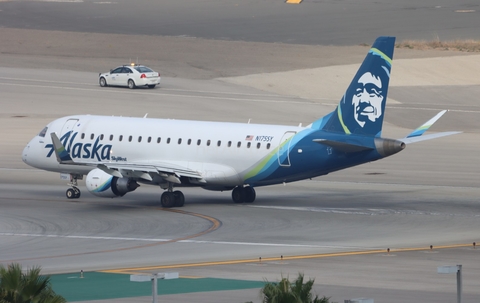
[63,157]
[416,135]
[425,126]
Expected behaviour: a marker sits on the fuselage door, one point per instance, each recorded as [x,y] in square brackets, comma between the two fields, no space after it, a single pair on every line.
[68,126]
[283,154]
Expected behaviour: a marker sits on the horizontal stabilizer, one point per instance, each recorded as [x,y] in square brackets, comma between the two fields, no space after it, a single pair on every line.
[409,140]
[425,126]
[416,135]
[343,146]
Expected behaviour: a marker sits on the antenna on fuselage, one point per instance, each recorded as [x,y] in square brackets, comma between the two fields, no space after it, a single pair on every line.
[145,115]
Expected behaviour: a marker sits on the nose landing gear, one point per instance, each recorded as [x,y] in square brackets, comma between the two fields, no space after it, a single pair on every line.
[74,192]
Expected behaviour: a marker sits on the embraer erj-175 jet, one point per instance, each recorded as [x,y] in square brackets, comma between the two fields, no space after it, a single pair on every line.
[118,153]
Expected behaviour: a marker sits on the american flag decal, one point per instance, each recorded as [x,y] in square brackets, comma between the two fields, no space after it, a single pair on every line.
[249,138]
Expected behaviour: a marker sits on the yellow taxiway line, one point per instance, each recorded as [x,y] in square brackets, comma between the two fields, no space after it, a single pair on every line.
[282,258]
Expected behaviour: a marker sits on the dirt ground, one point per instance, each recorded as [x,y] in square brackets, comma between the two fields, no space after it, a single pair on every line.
[183,57]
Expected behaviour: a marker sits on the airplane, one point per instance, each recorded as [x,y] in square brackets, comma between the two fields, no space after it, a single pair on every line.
[117,154]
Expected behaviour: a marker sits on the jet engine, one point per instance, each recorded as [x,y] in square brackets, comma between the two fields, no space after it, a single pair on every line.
[102,184]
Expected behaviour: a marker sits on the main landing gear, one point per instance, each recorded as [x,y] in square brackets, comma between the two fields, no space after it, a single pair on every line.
[172,198]
[74,192]
[242,194]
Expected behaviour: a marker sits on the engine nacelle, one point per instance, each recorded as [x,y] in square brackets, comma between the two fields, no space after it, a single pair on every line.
[102,184]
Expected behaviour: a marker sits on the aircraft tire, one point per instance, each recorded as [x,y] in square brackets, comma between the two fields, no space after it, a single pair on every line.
[70,193]
[179,198]
[250,194]
[238,194]
[77,193]
[167,199]
[131,84]
[102,82]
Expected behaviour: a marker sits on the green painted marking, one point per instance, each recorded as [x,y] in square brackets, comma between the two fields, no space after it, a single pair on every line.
[102,286]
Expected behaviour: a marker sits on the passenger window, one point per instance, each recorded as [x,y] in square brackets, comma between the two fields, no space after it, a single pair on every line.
[199,142]
[208,142]
[83,135]
[239,144]
[179,141]
[101,137]
[268,145]
[189,141]
[219,143]
[43,132]
[229,143]
[249,144]
[130,138]
[120,138]
[149,139]
[111,137]
[168,140]
[259,144]
[159,140]
[140,139]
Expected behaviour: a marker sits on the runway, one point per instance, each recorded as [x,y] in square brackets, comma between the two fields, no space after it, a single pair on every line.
[335,228]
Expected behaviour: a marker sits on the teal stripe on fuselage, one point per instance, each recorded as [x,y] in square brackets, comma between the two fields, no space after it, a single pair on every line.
[264,169]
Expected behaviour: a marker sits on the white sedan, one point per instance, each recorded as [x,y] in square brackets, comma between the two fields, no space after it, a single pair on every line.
[132,75]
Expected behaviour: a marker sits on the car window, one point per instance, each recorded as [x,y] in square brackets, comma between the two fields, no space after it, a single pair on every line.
[126,70]
[143,69]
[118,70]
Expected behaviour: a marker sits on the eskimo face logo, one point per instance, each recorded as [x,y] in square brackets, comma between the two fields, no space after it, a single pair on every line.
[367,99]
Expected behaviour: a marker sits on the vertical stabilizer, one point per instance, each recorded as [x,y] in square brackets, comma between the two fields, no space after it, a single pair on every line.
[362,108]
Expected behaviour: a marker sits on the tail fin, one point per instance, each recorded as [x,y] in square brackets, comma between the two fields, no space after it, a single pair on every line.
[362,107]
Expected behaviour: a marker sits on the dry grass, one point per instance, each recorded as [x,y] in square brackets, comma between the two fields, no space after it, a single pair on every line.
[455,45]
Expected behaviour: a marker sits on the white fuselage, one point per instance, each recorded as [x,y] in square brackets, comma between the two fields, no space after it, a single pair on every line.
[221,152]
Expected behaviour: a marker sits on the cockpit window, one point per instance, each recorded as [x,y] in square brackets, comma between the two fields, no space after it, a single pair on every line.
[43,132]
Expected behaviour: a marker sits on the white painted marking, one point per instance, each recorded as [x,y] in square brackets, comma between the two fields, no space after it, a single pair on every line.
[163,94]
[181,241]
[361,211]
[61,1]
[167,89]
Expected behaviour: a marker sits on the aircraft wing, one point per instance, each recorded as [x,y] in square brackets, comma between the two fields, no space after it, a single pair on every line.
[416,135]
[168,171]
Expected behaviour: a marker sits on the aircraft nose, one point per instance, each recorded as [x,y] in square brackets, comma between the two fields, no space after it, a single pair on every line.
[25,153]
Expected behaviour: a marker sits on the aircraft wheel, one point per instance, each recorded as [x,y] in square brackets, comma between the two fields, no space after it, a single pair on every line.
[131,84]
[250,194]
[238,194]
[70,193]
[179,198]
[77,193]
[167,199]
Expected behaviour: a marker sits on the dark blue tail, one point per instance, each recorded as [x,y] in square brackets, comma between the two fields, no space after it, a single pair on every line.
[362,107]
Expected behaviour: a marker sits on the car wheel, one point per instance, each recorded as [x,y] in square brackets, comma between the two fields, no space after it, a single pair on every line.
[131,84]
[152,86]
[103,82]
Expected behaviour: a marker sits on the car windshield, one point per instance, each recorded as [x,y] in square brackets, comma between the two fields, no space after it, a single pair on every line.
[143,69]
